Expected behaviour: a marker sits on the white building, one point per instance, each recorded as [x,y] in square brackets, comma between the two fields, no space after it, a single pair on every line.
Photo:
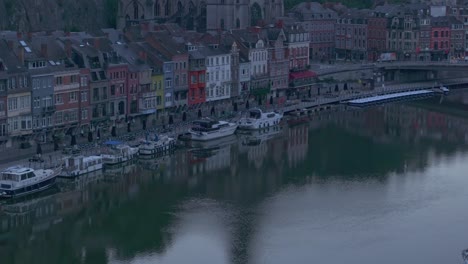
[258,56]
[19,113]
[218,73]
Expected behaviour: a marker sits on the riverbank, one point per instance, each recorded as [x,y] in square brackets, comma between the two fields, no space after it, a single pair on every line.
[176,123]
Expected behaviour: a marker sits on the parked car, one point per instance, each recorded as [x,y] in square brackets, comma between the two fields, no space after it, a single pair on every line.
[36,158]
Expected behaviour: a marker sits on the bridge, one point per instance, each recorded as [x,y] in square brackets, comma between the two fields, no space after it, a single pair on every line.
[322,101]
[325,70]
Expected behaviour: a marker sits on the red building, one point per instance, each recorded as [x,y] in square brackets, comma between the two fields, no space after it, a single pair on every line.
[66,97]
[440,38]
[376,35]
[118,95]
[196,73]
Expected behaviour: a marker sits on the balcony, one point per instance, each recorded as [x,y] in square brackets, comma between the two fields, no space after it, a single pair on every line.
[48,109]
[71,86]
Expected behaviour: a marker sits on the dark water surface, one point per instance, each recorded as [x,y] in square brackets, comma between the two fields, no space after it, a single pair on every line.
[381,185]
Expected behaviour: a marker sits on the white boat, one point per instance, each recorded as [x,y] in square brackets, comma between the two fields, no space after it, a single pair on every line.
[208,129]
[257,119]
[78,165]
[117,152]
[156,146]
[19,180]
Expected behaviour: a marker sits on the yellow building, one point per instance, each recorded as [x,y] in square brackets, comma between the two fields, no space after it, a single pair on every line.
[158,87]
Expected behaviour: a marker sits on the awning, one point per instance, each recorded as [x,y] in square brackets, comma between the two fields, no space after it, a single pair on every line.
[302,75]
[148,111]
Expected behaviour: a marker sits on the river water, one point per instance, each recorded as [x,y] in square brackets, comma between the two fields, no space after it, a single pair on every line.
[378,185]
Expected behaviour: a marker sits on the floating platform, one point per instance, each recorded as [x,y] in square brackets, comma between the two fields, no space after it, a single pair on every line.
[374,100]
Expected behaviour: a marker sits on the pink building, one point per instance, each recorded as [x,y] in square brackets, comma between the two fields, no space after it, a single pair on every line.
[66,97]
[440,38]
[118,96]
[297,46]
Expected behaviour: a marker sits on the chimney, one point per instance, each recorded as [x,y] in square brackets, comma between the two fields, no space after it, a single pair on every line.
[19,35]
[44,50]
[143,56]
[21,55]
[96,43]
[68,48]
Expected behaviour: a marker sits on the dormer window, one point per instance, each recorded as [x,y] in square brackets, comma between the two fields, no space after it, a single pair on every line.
[37,64]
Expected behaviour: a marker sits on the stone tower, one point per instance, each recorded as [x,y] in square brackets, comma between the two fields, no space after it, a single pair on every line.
[200,15]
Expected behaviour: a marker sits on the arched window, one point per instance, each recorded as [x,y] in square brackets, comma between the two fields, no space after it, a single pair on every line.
[157,9]
[167,10]
[121,108]
[135,10]
[256,14]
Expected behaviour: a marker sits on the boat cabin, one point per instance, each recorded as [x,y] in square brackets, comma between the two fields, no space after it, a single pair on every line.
[255,113]
[207,125]
[81,162]
[15,174]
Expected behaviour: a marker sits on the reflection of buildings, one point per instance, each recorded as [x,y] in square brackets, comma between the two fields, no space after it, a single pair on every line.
[209,160]
[297,144]
[257,144]
[400,122]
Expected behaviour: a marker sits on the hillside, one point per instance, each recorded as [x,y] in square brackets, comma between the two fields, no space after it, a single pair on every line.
[36,15]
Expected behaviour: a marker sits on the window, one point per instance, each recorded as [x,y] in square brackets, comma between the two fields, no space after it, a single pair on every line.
[3,130]
[104,93]
[122,90]
[96,94]
[58,80]
[37,102]
[26,122]
[73,79]
[58,99]
[73,97]
[112,90]
[84,81]
[59,118]
[12,104]
[202,78]
[84,96]
[194,79]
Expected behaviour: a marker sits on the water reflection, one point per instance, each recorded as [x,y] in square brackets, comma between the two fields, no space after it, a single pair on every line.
[352,185]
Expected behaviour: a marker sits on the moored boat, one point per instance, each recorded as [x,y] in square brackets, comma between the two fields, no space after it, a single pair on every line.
[158,145]
[118,152]
[257,119]
[78,165]
[19,180]
[208,129]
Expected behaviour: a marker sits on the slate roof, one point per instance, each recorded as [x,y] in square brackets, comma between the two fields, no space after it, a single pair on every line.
[10,61]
